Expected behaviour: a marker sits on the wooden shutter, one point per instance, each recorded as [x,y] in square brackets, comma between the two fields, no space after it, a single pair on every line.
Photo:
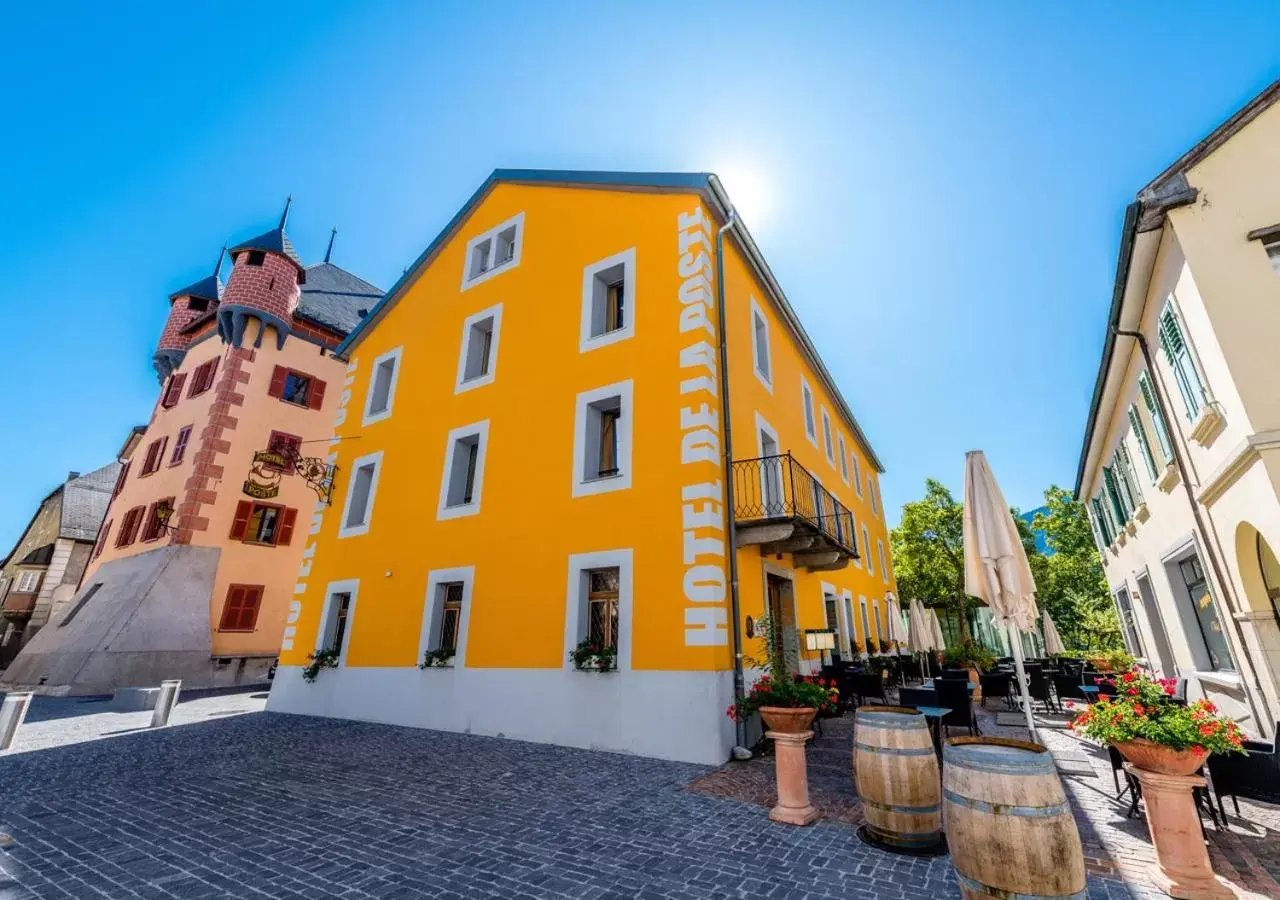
[315,396]
[209,376]
[173,393]
[239,525]
[124,473]
[102,539]
[164,445]
[278,377]
[249,609]
[284,533]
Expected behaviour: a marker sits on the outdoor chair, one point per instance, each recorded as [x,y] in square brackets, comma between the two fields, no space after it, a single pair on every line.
[916,697]
[1107,689]
[996,684]
[1254,777]
[868,684]
[956,673]
[954,694]
[1067,687]
[1038,687]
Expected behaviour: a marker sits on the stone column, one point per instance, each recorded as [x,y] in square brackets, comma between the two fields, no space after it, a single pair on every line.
[793,778]
[1183,869]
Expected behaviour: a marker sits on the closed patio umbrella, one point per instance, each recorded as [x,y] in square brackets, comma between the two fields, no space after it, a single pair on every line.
[1052,641]
[995,563]
[919,634]
[897,630]
[939,642]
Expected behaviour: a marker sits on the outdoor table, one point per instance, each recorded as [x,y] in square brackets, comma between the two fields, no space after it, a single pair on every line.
[1090,692]
[930,685]
[933,716]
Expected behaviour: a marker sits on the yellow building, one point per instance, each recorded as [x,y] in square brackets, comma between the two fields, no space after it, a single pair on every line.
[531,455]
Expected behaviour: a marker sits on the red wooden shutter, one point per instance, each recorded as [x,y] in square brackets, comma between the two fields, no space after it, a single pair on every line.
[284,534]
[244,509]
[164,445]
[213,371]
[231,608]
[102,539]
[249,611]
[278,376]
[315,396]
[124,473]
[173,393]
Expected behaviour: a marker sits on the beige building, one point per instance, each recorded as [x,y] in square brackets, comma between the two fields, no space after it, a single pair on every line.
[1180,466]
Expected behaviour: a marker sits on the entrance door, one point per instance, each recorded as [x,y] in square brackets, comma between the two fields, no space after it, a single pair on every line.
[783,641]
[1164,656]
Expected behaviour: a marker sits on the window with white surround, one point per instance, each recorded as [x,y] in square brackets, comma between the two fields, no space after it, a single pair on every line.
[760,345]
[336,617]
[827,443]
[857,474]
[844,460]
[847,606]
[382,386]
[357,511]
[866,549]
[772,498]
[478,358]
[810,423]
[866,624]
[602,440]
[446,612]
[884,570]
[463,471]
[608,301]
[493,252]
[27,582]
[1178,352]
[871,495]
[598,603]
[857,560]
[1273,253]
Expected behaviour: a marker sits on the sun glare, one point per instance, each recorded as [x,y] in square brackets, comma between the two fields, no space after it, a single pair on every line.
[749,189]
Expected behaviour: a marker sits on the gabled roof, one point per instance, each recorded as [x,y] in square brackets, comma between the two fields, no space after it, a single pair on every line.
[84,502]
[335,298]
[705,184]
[1168,190]
[41,556]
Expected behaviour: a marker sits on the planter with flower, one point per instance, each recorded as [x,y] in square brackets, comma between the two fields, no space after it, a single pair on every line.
[590,656]
[969,654]
[1111,660]
[787,704]
[321,659]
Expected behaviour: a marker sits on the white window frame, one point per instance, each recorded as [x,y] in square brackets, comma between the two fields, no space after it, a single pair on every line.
[30,578]
[345,531]
[828,442]
[846,613]
[466,384]
[587,341]
[884,570]
[433,611]
[764,375]
[844,459]
[584,487]
[857,560]
[764,428]
[866,625]
[518,221]
[443,510]
[369,415]
[871,491]
[808,411]
[857,473]
[575,610]
[332,590]
[866,543]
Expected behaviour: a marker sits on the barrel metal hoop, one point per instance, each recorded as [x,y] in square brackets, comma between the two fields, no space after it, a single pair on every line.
[895,751]
[1001,809]
[907,810]
[912,839]
[1033,765]
[984,890]
[894,722]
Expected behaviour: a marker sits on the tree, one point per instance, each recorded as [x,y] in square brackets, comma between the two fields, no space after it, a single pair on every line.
[928,552]
[1070,583]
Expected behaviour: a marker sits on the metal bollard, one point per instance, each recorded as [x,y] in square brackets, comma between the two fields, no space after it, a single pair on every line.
[12,712]
[165,703]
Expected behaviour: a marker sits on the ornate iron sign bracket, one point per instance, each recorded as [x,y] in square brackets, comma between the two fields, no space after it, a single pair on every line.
[269,466]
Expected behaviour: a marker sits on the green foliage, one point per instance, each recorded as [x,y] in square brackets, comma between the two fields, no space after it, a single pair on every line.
[779,648]
[928,551]
[1144,708]
[323,659]
[590,655]
[968,654]
[442,657]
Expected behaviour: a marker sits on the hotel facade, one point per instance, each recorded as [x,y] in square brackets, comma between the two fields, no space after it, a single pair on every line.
[1180,466]
[531,446]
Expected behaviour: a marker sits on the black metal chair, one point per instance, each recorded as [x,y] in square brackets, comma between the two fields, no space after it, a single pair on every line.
[916,697]
[995,684]
[1254,777]
[868,684]
[1038,686]
[954,694]
[1067,687]
[956,673]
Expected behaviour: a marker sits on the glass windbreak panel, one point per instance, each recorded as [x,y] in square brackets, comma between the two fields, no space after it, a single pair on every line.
[1215,641]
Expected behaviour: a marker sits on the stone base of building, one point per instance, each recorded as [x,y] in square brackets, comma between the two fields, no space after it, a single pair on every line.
[147,621]
[666,715]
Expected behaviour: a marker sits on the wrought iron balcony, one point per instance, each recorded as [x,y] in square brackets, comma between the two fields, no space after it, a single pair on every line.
[782,508]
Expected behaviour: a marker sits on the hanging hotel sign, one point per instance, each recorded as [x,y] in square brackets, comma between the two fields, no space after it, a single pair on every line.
[269,466]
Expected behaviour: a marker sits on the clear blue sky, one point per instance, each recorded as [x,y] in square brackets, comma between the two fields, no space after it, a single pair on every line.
[944,182]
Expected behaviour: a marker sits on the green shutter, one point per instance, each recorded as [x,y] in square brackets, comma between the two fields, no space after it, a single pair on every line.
[1149,401]
[1129,476]
[1095,521]
[1184,370]
[1113,494]
[1104,524]
[1144,445]
[1170,334]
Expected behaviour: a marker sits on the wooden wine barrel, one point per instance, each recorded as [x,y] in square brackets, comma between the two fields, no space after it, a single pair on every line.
[1009,827]
[896,775]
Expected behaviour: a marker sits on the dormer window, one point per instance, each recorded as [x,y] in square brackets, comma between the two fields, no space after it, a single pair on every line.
[256,258]
[198,304]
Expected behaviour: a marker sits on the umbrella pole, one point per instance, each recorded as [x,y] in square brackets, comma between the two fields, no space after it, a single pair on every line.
[1022,679]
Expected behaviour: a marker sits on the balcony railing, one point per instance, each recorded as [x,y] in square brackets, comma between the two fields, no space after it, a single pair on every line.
[781,506]
[19,604]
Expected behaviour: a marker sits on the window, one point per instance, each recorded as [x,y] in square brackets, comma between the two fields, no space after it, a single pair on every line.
[497,250]
[602,440]
[760,345]
[357,511]
[155,453]
[1128,478]
[1144,445]
[806,399]
[120,479]
[451,615]
[599,603]
[28,581]
[335,621]
[173,390]
[463,479]
[289,446]
[871,495]
[844,461]
[97,546]
[847,597]
[1101,536]
[608,301]
[444,620]
[240,609]
[1149,401]
[1112,487]
[1273,254]
[884,570]
[256,258]
[202,378]
[772,498]
[832,616]
[478,358]
[866,548]
[79,604]
[297,388]
[1124,606]
[129,526]
[866,624]
[382,386]
[1215,642]
[263,523]
[1179,354]
[155,518]
[180,445]
[860,548]
[826,437]
[857,475]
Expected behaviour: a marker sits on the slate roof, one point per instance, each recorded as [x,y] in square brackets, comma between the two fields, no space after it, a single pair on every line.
[41,556]
[207,288]
[273,241]
[84,503]
[333,297]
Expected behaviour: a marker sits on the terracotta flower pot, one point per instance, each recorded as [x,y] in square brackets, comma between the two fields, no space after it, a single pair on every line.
[1163,760]
[788,719]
